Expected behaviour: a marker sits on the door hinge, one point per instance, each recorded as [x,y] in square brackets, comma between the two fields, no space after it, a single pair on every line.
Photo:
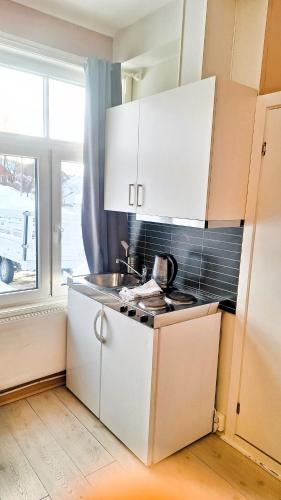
[238,408]
[263,149]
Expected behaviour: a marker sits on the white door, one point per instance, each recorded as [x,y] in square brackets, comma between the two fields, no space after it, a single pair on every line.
[121,157]
[174,151]
[84,349]
[126,380]
[259,421]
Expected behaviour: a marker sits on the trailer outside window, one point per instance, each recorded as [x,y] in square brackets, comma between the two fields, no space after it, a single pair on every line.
[18,224]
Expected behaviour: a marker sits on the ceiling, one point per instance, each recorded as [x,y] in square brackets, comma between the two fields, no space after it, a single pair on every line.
[105,16]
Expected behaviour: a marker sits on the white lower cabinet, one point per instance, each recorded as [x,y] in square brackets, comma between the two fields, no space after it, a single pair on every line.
[156,387]
[83,350]
[126,377]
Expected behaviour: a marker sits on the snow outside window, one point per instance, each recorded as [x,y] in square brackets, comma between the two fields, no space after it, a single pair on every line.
[18,223]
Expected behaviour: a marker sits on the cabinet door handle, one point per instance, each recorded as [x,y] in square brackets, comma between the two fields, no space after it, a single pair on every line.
[99,336]
[140,190]
[131,198]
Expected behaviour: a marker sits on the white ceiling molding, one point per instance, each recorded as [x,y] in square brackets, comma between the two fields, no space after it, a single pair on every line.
[37,58]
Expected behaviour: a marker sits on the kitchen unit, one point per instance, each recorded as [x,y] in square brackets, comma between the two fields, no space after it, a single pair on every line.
[149,376]
[182,155]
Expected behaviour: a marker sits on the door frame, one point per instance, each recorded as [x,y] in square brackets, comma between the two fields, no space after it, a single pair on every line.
[264,104]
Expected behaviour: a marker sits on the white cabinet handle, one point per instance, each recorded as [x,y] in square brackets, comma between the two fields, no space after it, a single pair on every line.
[131,198]
[99,336]
[140,190]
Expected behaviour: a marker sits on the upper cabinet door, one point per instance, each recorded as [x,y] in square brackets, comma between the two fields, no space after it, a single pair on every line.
[175,139]
[121,157]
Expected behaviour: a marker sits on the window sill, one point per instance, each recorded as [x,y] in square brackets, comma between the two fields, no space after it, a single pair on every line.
[34,310]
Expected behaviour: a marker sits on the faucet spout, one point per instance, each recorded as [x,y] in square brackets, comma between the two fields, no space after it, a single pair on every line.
[141,276]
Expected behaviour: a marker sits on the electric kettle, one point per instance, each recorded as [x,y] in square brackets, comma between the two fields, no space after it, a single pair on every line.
[165,269]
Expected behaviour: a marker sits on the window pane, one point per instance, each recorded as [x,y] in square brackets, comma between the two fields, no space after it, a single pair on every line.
[18,224]
[21,102]
[66,108]
[73,259]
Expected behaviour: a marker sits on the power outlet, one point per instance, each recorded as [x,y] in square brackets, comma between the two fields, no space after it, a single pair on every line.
[219,422]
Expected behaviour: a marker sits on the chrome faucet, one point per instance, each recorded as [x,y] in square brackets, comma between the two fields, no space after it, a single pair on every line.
[142,275]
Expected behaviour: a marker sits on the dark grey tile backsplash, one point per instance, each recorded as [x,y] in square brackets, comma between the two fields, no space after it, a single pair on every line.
[208,259]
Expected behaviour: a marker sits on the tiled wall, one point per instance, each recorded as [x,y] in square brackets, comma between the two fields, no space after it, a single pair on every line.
[208,259]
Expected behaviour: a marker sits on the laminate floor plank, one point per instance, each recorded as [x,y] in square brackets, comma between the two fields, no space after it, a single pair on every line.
[187,475]
[180,477]
[98,430]
[248,478]
[108,474]
[82,447]
[18,481]
[61,478]
[52,437]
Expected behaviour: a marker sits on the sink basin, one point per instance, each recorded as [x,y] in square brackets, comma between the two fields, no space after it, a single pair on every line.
[112,280]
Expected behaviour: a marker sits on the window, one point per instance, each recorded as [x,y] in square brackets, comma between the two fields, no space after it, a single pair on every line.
[66,122]
[18,223]
[41,177]
[73,259]
[21,102]
[68,254]
[40,106]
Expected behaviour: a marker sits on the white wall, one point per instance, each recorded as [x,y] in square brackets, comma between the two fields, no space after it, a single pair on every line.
[193,36]
[249,41]
[224,38]
[208,31]
[156,79]
[41,28]
[219,35]
[153,31]
[31,347]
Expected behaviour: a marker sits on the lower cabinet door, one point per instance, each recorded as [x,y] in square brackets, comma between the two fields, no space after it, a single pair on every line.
[84,349]
[126,376]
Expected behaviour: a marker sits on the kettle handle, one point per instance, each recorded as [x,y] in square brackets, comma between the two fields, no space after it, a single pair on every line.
[174,265]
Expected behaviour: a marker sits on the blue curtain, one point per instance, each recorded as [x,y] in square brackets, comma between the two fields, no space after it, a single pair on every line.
[102,230]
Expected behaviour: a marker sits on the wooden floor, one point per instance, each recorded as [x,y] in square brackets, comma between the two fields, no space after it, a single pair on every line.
[52,447]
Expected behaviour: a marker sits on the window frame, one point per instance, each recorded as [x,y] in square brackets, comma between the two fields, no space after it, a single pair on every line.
[69,153]
[45,103]
[12,144]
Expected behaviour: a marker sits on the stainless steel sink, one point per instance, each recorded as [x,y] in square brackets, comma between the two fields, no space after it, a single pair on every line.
[112,280]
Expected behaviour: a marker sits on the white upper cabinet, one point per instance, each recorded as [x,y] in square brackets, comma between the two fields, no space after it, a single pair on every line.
[121,159]
[175,136]
[193,153]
